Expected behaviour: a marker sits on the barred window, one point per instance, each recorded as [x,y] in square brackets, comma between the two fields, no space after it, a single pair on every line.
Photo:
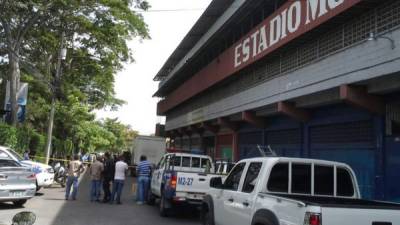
[379,20]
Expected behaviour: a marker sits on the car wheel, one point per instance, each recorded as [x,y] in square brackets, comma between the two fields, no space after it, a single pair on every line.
[37,186]
[20,203]
[164,212]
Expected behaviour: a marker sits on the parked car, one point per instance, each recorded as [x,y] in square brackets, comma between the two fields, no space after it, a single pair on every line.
[181,178]
[17,183]
[274,191]
[44,173]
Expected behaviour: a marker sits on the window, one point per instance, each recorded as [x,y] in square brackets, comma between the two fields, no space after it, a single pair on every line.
[161,163]
[8,163]
[233,180]
[205,162]
[344,183]
[323,180]
[301,179]
[176,161]
[16,155]
[185,161]
[196,162]
[251,177]
[4,155]
[279,178]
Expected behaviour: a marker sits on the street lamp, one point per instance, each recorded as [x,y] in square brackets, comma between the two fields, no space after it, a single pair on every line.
[373,37]
[62,55]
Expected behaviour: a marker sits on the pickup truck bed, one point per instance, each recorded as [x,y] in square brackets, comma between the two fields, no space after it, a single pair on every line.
[329,202]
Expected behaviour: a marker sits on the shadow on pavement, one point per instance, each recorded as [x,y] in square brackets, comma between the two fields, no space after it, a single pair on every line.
[9,206]
[82,211]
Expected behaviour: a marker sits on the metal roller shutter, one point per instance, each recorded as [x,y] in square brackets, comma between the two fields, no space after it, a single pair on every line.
[248,144]
[285,142]
[352,143]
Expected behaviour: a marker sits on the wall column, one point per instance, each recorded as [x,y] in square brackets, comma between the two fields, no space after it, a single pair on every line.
[235,146]
[379,130]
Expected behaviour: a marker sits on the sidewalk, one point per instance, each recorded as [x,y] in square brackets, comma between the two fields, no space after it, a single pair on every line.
[52,209]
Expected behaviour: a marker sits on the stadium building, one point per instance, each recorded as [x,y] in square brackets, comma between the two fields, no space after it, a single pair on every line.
[309,78]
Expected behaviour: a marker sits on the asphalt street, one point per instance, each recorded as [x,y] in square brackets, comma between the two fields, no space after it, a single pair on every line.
[51,209]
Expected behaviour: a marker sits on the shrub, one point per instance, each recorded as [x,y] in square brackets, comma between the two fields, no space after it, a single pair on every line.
[8,135]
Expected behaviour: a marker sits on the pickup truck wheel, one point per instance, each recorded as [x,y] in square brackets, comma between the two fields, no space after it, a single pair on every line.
[151,199]
[207,218]
[264,219]
[19,203]
[164,212]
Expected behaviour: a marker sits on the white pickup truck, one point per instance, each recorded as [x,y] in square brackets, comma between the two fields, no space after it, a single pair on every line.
[292,191]
[181,178]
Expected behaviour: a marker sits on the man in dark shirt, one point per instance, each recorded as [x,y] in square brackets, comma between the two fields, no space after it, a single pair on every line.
[108,176]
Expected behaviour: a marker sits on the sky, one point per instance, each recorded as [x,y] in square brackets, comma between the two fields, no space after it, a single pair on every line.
[135,83]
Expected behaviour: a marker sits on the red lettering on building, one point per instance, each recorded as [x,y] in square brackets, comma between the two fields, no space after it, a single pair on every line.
[289,22]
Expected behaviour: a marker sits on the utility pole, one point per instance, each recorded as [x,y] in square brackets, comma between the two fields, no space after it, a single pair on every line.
[55,88]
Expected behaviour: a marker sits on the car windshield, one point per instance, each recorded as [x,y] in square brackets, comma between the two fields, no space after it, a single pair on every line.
[8,163]
[16,155]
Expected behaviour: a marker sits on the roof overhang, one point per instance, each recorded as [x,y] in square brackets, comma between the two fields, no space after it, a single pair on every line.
[203,24]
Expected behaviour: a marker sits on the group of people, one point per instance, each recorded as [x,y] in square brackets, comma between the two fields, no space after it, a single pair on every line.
[105,172]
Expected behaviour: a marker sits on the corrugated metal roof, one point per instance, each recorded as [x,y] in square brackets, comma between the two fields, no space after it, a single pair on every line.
[207,19]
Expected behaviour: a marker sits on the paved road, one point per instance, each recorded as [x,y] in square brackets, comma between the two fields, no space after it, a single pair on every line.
[51,209]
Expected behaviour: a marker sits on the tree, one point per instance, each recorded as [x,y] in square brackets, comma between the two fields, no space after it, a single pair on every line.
[123,133]
[16,19]
[96,31]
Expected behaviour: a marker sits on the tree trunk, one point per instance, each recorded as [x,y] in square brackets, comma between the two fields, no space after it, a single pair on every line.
[14,75]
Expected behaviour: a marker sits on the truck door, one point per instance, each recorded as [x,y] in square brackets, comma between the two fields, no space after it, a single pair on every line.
[245,197]
[157,177]
[226,203]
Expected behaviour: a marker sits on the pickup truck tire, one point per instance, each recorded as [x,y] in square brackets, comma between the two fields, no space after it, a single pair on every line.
[264,217]
[207,211]
[151,200]
[207,217]
[164,211]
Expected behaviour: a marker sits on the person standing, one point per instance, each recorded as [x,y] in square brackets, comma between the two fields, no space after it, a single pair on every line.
[119,178]
[144,173]
[95,171]
[108,176]
[75,168]
[26,155]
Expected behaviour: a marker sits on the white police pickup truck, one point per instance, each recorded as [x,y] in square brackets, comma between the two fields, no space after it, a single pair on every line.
[181,178]
[292,191]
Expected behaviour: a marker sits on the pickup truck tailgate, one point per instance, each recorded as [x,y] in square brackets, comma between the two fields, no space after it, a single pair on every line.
[193,182]
[361,216]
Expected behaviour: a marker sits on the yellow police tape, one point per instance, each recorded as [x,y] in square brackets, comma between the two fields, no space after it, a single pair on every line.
[66,160]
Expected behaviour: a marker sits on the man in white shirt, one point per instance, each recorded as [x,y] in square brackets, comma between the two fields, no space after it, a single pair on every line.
[119,178]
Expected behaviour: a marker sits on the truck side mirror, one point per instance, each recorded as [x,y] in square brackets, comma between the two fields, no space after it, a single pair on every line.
[216,182]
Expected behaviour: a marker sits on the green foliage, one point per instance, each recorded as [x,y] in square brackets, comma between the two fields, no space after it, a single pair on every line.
[96,35]
[21,138]
[37,143]
[8,135]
